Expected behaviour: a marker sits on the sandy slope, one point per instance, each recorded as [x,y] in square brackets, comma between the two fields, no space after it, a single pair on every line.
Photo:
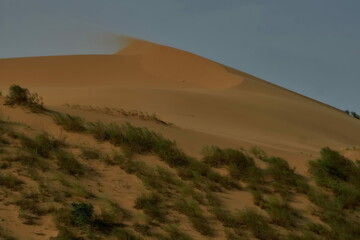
[193,93]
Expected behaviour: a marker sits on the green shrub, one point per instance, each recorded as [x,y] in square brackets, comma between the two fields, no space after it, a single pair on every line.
[192,210]
[64,234]
[151,205]
[68,164]
[341,175]
[11,182]
[240,166]
[334,166]
[139,140]
[173,233]
[318,229]
[122,233]
[30,160]
[41,145]
[90,153]
[281,213]
[22,97]
[106,132]
[171,154]
[69,122]
[353,114]
[259,199]
[259,153]
[257,224]
[31,202]
[5,235]
[217,157]
[280,171]
[233,236]
[82,213]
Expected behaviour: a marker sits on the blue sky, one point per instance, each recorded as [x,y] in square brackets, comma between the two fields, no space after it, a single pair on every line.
[309,46]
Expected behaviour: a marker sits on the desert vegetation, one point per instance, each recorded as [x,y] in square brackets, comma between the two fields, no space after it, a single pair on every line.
[352,114]
[23,97]
[98,192]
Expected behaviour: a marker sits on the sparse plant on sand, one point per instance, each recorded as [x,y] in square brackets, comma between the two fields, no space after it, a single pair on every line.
[192,210]
[151,204]
[69,122]
[339,174]
[11,182]
[68,164]
[23,97]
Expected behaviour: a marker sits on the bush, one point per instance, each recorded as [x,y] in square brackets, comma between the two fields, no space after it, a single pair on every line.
[259,153]
[41,145]
[5,235]
[139,140]
[69,122]
[69,164]
[89,153]
[106,132]
[353,114]
[175,234]
[192,210]
[64,234]
[257,224]
[22,97]
[280,171]
[281,213]
[30,160]
[338,173]
[151,205]
[217,157]
[11,182]
[171,154]
[240,166]
[82,213]
[332,165]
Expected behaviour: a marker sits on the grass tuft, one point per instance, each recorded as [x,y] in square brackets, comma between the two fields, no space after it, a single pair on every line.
[192,210]
[11,182]
[151,204]
[68,164]
[69,122]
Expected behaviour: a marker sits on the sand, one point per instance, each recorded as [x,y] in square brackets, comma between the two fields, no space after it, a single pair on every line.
[206,102]
[191,92]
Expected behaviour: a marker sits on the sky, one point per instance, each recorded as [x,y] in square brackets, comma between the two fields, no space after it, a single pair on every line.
[310,46]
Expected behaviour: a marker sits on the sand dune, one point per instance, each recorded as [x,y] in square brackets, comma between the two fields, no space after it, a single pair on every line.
[207,104]
[190,91]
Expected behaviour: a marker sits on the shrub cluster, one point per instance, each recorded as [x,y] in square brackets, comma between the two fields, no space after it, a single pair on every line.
[341,175]
[192,210]
[22,97]
[68,164]
[151,204]
[240,165]
[353,114]
[142,141]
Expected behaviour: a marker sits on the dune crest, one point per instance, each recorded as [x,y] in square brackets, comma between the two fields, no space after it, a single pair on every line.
[180,66]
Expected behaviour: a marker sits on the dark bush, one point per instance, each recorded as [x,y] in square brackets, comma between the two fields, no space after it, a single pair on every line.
[22,97]
[151,205]
[69,122]
[69,164]
[257,224]
[82,213]
[338,173]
